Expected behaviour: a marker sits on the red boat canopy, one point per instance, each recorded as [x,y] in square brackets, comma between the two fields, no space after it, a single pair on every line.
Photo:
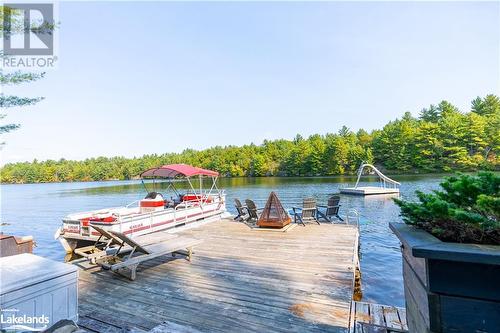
[173,170]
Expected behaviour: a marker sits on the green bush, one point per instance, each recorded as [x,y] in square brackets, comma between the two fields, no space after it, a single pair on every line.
[466,210]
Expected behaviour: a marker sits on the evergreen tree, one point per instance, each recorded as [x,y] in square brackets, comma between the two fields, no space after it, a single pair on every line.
[452,133]
[488,106]
[466,209]
[315,163]
[394,146]
[428,146]
[432,114]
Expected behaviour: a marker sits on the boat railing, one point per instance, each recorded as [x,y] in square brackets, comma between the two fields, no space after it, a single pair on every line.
[132,203]
[208,192]
[80,215]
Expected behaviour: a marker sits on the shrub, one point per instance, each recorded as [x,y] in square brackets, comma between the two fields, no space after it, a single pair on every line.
[466,210]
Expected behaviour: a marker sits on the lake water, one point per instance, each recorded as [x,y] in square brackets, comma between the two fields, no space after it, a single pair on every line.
[37,209]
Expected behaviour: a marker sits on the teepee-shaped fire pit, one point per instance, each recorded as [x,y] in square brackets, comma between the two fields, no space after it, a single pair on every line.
[273,215]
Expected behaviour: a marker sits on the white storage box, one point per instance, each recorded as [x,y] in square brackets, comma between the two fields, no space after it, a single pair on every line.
[36,292]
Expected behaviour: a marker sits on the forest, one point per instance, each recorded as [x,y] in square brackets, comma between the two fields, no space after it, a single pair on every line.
[440,139]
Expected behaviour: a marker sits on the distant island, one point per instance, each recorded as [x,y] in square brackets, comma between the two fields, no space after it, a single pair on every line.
[441,139]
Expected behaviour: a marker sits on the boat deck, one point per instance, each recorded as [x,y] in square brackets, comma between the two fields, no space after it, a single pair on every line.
[241,280]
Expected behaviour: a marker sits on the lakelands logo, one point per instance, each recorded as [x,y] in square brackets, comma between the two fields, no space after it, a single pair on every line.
[10,319]
[28,34]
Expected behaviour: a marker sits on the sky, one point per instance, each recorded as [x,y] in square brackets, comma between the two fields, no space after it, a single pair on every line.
[140,78]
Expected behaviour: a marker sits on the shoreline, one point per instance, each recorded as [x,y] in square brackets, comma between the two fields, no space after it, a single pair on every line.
[396,174]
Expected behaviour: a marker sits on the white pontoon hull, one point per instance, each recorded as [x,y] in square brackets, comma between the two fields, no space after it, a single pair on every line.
[75,233]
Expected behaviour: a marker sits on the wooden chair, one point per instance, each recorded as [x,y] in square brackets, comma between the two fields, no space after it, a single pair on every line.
[331,209]
[242,211]
[253,211]
[307,212]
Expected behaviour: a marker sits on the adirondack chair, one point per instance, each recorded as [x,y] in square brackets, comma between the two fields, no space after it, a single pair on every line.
[135,252]
[331,210]
[242,211]
[307,212]
[253,211]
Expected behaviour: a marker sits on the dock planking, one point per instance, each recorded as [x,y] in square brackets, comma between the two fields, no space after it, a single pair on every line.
[239,279]
[377,318]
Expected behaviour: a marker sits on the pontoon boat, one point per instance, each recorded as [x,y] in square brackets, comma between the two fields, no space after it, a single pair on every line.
[154,212]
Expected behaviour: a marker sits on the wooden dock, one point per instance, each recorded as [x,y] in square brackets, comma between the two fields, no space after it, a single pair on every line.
[239,280]
[376,318]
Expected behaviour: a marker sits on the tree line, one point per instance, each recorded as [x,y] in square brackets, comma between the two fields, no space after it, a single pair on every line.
[440,139]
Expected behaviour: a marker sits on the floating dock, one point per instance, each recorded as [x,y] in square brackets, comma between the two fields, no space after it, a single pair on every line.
[368,190]
[387,185]
[239,280]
